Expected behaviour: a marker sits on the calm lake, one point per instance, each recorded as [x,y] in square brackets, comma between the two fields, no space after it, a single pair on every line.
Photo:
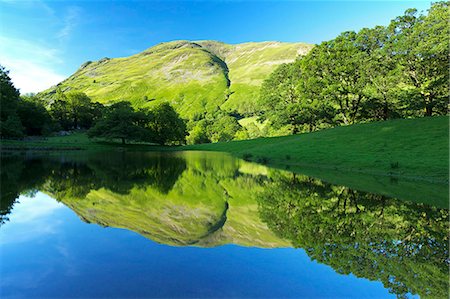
[126,225]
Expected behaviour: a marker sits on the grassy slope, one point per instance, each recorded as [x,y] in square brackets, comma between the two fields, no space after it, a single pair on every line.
[193,76]
[249,64]
[411,148]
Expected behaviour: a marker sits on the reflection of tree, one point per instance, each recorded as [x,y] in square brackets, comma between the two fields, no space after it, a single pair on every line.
[19,175]
[402,244]
[74,176]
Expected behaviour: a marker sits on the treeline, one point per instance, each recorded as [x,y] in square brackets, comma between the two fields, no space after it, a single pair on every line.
[375,74]
[31,115]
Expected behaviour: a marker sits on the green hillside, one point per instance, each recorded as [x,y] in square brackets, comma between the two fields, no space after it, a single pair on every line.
[193,76]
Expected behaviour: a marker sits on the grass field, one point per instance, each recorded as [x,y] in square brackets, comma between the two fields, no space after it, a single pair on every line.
[409,148]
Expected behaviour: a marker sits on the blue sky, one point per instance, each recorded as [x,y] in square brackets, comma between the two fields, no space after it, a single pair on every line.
[43,42]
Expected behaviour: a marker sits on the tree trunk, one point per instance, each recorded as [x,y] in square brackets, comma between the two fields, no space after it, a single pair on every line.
[123,140]
[429,105]
[385,108]
[428,110]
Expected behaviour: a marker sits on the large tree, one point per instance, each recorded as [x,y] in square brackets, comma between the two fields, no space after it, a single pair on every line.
[420,44]
[279,99]
[10,124]
[166,125]
[34,117]
[334,73]
[121,121]
[75,110]
[380,73]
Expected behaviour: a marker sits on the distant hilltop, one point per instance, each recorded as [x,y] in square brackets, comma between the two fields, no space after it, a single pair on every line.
[194,76]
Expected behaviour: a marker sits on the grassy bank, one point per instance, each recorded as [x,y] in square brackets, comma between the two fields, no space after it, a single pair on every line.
[74,141]
[408,148]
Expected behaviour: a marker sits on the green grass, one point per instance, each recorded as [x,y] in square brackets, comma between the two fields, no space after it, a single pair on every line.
[409,148]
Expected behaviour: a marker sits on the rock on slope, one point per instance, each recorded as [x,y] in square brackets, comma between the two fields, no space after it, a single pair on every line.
[193,76]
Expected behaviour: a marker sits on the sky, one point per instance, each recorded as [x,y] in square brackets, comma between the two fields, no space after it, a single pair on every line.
[44,42]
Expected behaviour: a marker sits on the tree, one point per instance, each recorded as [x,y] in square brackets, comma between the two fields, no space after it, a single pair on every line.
[333,73]
[80,110]
[223,128]
[10,125]
[122,122]
[199,132]
[34,117]
[166,125]
[420,44]
[381,74]
[75,110]
[59,111]
[288,99]
[279,99]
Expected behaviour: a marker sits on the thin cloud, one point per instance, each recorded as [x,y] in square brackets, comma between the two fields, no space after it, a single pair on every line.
[31,65]
[71,20]
[36,4]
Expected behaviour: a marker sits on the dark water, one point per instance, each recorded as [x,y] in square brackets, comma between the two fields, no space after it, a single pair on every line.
[133,225]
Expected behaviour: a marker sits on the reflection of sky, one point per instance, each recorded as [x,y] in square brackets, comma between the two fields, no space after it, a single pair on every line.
[46,251]
[31,218]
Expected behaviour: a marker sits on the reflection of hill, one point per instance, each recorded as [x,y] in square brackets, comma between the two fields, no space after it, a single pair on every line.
[210,204]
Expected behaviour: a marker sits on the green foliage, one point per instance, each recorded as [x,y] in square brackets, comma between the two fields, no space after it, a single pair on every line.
[199,133]
[121,121]
[373,74]
[10,125]
[75,110]
[166,125]
[420,47]
[213,127]
[161,125]
[35,119]
[224,128]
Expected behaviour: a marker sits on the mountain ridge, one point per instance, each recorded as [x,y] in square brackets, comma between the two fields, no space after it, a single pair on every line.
[194,76]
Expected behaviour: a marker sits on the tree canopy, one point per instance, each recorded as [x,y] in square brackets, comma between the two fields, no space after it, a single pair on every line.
[375,74]
[161,125]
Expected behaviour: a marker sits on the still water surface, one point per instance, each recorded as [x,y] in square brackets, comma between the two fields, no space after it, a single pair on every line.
[207,225]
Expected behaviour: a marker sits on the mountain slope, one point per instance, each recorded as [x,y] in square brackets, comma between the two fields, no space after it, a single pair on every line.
[193,76]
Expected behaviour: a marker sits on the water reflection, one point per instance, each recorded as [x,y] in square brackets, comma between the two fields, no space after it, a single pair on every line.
[212,199]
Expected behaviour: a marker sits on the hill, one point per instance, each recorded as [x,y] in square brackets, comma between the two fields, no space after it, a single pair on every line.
[193,76]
